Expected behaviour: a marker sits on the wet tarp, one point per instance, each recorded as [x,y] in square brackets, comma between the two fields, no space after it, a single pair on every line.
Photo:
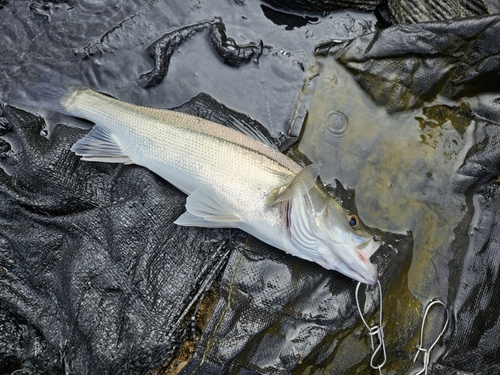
[95,278]
[395,11]
[85,265]
[408,67]
[414,11]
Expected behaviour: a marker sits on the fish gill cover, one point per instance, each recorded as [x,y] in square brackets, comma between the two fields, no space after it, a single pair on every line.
[96,278]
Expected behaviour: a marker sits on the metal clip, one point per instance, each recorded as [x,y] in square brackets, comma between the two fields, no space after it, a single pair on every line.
[374,330]
[420,348]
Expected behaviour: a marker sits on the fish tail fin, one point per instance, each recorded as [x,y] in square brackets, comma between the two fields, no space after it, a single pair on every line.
[48,91]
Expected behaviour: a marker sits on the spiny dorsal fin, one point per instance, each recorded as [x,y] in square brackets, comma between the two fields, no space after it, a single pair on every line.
[300,184]
[203,105]
[252,132]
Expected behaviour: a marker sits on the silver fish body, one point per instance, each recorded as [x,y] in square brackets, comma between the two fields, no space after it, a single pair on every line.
[231,179]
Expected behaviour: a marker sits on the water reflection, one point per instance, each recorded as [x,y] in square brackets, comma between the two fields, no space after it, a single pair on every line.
[401,167]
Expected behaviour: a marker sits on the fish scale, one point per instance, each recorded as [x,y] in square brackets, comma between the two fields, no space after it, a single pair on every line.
[232,180]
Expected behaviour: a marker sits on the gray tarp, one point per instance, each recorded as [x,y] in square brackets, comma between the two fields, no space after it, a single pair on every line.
[95,278]
[405,67]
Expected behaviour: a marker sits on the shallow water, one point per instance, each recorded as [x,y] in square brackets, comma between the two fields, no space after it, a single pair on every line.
[103,44]
[400,166]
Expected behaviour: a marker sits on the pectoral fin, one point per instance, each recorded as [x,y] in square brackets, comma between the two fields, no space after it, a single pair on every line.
[100,145]
[300,184]
[204,208]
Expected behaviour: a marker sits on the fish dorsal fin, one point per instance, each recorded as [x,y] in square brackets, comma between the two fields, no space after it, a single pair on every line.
[256,130]
[100,145]
[251,131]
[300,184]
[203,105]
[204,208]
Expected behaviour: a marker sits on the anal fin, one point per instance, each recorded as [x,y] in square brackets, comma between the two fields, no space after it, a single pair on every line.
[100,145]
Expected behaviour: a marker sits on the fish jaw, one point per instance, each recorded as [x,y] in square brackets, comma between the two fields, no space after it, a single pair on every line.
[351,257]
[323,236]
[368,278]
[355,265]
[366,246]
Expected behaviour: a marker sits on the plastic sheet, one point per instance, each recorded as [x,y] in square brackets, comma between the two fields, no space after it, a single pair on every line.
[86,277]
[393,69]
[95,278]
[407,65]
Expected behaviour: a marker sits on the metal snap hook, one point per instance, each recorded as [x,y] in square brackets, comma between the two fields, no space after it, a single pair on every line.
[420,348]
[374,330]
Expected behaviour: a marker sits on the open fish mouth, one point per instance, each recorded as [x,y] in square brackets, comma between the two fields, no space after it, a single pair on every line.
[358,265]
[359,269]
[371,280]
[366,272]
[368,247]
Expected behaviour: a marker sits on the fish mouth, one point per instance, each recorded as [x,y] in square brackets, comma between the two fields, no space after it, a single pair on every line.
[367,274]
[358,266]
[367,246]
[366,278]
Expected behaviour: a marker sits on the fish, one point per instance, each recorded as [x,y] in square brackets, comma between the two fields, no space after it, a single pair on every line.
[231,180]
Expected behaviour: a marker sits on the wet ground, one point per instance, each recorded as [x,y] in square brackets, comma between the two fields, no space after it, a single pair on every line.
[401,165]
[108,50]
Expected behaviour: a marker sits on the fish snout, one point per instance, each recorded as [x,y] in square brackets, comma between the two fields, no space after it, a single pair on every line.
[366,246]
[356,264]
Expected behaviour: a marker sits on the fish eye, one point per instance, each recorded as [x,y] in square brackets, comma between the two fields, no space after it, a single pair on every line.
[353,221]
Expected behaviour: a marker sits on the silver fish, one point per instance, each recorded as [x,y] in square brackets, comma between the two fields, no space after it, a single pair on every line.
[231,179]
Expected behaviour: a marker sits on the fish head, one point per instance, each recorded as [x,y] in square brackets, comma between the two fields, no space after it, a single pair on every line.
[333,237]
[346,243]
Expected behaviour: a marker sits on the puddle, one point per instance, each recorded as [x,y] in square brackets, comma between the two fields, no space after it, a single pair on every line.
[108,51]
[400,166]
